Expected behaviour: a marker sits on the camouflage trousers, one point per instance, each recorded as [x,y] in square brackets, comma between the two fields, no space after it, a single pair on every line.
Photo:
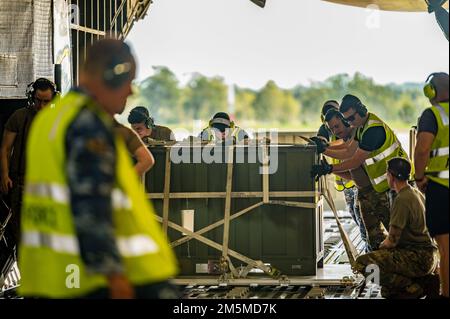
[399,268]
[351,199]
[375,212]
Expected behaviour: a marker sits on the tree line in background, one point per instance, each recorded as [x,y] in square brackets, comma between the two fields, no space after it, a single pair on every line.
[271,106]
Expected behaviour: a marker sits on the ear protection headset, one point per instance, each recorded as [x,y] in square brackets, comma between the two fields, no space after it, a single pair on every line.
[332,113]
[149,122]
[118,70]
[33,86]
[328,106]
[222,121]
[361,109]
[429,89]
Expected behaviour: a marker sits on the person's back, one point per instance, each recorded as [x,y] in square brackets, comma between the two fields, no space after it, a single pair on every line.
[162,133]
[408,213]
[84,209]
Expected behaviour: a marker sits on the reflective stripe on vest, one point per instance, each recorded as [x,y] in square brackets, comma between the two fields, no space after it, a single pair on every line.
[60,243]
[60,194]
[376,165]
[443,151]
[443,174]
[380,179]
[437,168]
[134,246]
[388,152]
[444,116]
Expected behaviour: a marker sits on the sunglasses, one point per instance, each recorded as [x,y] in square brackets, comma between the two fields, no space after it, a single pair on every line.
[351,118]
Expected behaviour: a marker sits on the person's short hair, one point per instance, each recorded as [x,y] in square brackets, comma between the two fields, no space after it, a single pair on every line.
[329,105]
[400,168]
[104,54]
[44,84]
[350,102]
[139,115]
[41,84]
[332,114]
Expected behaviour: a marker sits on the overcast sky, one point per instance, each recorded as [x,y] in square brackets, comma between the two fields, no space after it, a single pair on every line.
[290,41]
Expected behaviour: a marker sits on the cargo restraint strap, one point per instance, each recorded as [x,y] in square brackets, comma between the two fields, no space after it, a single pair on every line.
[348,244]
[265,195]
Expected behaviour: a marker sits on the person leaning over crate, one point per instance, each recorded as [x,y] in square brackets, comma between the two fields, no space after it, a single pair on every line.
[377,143]
[220,128]
[144,125]
[347,182]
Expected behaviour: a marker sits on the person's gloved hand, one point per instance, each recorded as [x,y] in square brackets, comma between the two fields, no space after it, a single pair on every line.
[321,144]
[321,169]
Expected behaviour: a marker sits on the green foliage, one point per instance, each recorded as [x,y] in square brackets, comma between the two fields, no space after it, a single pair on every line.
[205,96]
[162,93]
[272,105]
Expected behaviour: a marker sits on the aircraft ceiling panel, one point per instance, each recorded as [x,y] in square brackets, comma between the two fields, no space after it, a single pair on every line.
[389,5]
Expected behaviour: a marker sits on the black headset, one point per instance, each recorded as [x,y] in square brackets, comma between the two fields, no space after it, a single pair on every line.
[149,121]
[33,86]
[118,70]
[332,113]
[361,109]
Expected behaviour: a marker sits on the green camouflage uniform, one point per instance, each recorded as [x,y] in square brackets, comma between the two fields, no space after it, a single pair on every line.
[406,270]
[414,264]
[375,213]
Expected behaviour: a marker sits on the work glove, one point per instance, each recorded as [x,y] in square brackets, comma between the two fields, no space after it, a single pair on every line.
[321,169]
[321,144]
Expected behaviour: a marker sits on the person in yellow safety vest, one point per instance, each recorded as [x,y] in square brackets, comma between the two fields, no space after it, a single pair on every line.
[221,128]
[431,162]
[377,143]
[342,131]
[88,230]
[326,132]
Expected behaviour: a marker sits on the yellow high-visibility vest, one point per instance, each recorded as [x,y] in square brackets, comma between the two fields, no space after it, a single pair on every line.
[437,169]
[376,164]
[340,184]
[50,261]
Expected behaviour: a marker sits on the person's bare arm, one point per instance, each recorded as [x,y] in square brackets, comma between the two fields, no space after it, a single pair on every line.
[145,160]
[120,287]
[7,145]
[354,162]
[422,157]
[341,144]
[393,239]
[343,151]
